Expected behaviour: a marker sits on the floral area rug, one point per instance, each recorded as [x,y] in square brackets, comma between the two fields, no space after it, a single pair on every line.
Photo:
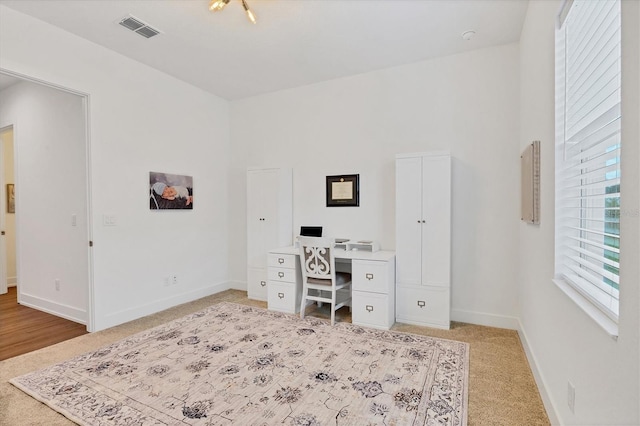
[234,364]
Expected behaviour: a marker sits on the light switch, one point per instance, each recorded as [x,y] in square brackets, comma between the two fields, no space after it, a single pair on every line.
[74,220]
[109,220]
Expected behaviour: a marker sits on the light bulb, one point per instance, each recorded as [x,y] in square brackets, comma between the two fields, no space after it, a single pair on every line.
[250,14]
[216,5]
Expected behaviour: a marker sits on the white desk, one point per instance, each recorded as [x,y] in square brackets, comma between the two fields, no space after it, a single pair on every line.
[372,288]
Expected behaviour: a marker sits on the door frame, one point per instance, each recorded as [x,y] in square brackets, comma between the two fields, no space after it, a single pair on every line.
[86,116]
[3,197]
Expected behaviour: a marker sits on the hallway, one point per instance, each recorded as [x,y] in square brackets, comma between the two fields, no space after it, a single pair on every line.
[24,329]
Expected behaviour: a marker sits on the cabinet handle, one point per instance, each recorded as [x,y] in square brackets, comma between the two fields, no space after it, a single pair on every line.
[281,274]
[281,295]
[418,221]
[280,260]
[263,283]
[423,221]
[421,303]
[369,308]
[368,276]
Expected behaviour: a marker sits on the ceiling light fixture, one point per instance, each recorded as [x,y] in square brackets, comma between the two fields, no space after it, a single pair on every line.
[217,5]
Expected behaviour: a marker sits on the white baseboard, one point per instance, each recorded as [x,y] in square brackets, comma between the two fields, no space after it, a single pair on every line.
[130,314]
[512,323]
[54,308]
[552,413]
[12,281]
[483,318]
[238,285]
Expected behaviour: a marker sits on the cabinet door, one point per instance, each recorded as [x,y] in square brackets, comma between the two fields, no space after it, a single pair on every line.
[257,283]
[270,196]
[436,211]
[409,220]
[262,215]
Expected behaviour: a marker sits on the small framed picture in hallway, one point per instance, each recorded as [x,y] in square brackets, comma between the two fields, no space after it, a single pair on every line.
[11,198]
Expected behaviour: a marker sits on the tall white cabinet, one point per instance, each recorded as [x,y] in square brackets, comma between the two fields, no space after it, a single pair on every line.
[269,222]
[423,239]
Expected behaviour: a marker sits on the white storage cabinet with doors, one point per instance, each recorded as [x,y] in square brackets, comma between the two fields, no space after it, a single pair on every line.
[423,239]
[269,222]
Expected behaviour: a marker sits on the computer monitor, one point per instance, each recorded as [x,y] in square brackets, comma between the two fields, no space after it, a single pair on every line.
[311,231]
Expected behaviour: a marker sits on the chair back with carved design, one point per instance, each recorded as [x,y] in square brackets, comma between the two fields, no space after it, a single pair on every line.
[320,281]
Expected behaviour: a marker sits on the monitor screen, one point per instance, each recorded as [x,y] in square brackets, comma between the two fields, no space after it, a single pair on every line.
[311,231]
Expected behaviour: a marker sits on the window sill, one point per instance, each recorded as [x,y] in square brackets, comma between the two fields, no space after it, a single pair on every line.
[606,323]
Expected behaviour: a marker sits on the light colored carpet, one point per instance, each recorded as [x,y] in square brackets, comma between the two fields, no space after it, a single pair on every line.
[501,387]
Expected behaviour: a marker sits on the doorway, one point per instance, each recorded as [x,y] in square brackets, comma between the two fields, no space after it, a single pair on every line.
[8,274]
[48,127]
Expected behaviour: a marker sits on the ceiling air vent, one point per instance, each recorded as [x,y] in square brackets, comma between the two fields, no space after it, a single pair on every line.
[139,27]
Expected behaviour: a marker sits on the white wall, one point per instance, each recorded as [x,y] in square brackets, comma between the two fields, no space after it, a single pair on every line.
[466,104]
[6,139]
[563,343]
[140,120]
[50,178]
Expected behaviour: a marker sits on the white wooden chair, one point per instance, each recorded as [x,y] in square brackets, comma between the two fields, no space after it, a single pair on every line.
[319,276]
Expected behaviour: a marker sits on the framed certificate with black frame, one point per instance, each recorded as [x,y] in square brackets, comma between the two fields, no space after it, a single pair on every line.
[343,191]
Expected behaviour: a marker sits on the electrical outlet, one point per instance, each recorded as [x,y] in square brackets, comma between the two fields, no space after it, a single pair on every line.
[571,397]
[57,281]
[174,280]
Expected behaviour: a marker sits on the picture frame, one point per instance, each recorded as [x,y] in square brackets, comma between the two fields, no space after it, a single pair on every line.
[169,191]
[11,198]
[343,190]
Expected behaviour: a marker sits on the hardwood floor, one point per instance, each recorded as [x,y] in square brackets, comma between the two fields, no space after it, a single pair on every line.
[24,329]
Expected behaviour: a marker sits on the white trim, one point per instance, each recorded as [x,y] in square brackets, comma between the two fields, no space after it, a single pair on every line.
[130,314]
[58,309]
[423,154]
[549,407]
[606,323]
[238,285]
[486,319]
[12,281]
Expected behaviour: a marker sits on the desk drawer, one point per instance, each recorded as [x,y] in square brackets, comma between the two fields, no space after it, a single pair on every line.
[282,260]
[372,276]
[371,310]
[283,297]
[281,274]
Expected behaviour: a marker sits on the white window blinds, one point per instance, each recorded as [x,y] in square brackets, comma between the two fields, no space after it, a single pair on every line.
[588,77]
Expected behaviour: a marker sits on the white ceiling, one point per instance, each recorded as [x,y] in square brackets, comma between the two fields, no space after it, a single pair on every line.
[294,43]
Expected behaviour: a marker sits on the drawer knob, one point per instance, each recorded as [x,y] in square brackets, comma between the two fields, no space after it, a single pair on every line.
[369,308]
[281,274]
[281,295]
[280,260]
[421,303]
[263,283]
[369,276]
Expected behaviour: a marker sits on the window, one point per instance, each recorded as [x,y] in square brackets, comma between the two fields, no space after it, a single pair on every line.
[588,117]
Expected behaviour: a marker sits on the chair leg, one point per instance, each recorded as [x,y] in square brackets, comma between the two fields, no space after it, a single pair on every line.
[303,302]
[333,307]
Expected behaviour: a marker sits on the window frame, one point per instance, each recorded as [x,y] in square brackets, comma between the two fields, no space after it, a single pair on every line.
[600,300]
